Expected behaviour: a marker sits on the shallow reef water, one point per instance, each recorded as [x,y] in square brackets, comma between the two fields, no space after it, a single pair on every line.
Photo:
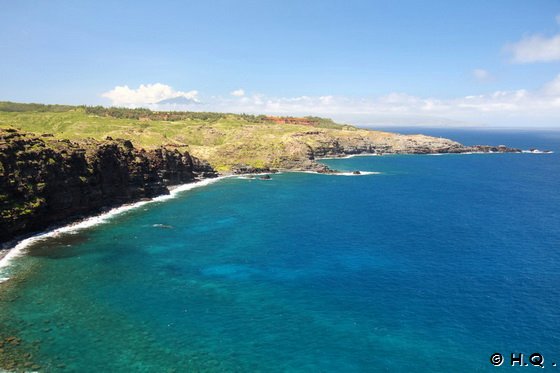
[427,264]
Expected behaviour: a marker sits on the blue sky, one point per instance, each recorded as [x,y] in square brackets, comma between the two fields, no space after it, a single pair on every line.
[487,62]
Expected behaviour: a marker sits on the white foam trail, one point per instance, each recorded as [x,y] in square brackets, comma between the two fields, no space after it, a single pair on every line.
[537,151]
[184,187]
[362,173]
[19,248]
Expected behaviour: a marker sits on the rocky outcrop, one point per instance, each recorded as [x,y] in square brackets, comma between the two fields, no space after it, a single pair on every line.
[307,147]
[243,169]
[44,181]
[391,143]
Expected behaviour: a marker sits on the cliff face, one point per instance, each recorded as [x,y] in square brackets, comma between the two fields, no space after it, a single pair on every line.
[44,181]
[297,147]
[228,141]
[299,151]
[321,144]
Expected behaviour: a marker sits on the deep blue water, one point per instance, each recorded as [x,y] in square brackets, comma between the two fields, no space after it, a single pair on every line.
[432,265]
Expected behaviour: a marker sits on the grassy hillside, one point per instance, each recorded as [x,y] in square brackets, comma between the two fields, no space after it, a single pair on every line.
[224,140]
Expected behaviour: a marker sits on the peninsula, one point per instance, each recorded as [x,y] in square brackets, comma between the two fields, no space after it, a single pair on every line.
[59,163]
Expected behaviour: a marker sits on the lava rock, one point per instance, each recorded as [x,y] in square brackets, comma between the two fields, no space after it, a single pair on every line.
[46,182]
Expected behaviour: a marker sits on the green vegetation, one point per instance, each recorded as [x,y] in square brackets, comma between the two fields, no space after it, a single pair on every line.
[21,208]
[17,107]
[147,114]
[223,139]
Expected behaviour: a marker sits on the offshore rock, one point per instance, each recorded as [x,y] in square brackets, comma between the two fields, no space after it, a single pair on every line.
[243,169]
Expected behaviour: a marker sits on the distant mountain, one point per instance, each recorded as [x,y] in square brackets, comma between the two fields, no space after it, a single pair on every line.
[177,101]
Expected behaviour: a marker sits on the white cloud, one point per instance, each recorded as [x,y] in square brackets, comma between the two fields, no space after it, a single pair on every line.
[481,75]
[512,108]
[535,48]
[238,93]
[147,94]
[552,88]
[520,107]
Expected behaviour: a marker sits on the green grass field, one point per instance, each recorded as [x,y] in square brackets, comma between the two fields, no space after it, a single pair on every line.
[224,140]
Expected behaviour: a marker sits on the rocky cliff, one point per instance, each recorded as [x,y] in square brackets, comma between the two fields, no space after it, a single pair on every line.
[49,180]
[300,150]
[227,141]
[376,142]
[44,181]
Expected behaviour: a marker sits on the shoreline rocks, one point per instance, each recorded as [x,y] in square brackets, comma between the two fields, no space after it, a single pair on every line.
[243,169]
[307,148]
[44,181]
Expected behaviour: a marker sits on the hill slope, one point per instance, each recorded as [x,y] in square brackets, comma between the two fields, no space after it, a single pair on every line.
[224,140]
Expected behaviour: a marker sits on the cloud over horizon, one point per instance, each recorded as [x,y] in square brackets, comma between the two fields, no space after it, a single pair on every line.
[147,94]
[495,108]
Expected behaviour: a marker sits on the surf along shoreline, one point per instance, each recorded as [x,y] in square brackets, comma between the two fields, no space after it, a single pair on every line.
[17,247]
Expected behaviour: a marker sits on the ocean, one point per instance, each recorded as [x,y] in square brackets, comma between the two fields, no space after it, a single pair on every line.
[433,263]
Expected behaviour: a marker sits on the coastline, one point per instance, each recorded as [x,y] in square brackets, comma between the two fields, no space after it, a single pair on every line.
[341,173]
[347,156]
[18,249]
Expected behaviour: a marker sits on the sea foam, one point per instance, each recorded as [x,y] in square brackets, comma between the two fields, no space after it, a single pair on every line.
[537,151]
[19,248]
[362,173]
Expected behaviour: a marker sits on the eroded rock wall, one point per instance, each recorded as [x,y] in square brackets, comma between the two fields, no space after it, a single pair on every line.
[44,181]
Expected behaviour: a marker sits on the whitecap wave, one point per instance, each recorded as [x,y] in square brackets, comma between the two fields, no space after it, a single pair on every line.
[362,173]
[537,151]
[19,248]
[165,226]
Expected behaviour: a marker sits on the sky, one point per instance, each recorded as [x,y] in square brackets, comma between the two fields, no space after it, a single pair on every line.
[493,63]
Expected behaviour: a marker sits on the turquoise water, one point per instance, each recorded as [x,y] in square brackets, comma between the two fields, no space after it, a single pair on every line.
[432,265]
